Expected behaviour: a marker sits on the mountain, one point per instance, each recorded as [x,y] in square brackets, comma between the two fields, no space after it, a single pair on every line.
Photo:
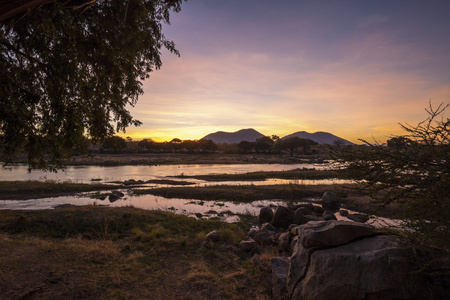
[221,137]
[320,137]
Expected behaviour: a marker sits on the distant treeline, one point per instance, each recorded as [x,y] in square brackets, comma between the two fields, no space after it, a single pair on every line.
[116,144]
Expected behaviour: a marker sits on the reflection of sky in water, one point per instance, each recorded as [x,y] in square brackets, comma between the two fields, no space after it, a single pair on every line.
[121,173]
[180,206]
[187,207]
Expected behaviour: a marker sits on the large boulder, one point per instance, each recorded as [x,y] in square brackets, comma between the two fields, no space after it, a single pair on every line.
[283,217]
[320,234]
[371,268]
[330,201]
[265,214]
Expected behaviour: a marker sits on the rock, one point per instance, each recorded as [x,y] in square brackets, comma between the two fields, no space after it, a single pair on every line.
[268,227]
[331,233]
[303,219]
[280,269]
[284,244]
[253,231]
[129,182]
[318,210]
[306,210]
[365,264]
[328,215]
[115,195]
[265,215]
[262,238]
[343,212]
[213,236]
[248,245]
[330,201]
[358,218]
[256,260]
[283,217]
[316,235]
[198,215]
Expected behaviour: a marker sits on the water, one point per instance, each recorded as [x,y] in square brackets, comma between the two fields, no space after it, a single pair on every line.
[85,174]
[190,207]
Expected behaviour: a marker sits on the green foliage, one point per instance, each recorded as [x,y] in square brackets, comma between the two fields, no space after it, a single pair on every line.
[69,73]
[412,173]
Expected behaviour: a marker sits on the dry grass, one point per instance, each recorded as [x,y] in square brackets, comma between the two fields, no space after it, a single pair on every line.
[71,263]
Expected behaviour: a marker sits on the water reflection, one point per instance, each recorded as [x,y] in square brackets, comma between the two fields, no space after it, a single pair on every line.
[224,210]
[84,174]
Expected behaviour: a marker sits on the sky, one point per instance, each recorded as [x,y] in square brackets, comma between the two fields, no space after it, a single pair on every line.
[354,68]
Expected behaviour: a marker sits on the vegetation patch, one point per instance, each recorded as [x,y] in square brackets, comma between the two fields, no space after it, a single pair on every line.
[241,193]
[300,174]
[123,253]
[20,190]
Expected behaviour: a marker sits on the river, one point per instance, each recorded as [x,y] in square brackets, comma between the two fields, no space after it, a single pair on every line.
[190,207]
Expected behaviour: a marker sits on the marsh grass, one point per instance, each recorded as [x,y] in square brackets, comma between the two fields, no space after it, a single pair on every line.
[33,189]
[299,174]
[122,253]
[242,193]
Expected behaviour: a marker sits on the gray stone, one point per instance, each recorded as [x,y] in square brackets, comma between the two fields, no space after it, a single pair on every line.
[213,236]
[283,217]
[115,195]
[332,233]
[285,242]
[248,245]
[303,219]
[280,269]
[256,260]
[371,268]
[343,212]
[358,218]
[265,215]
[268,227]
[262,238]
[328,215]
[330,201]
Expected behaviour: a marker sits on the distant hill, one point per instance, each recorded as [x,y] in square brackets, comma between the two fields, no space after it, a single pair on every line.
[320,137]
[221,137]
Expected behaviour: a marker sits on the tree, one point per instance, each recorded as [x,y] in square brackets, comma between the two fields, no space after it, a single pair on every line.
[264,144]
[207,145]
[114,143]
[69,73]
[291,144]
[246,146]
[412,172]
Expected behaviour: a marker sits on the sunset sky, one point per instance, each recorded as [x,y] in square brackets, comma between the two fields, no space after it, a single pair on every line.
[353,68]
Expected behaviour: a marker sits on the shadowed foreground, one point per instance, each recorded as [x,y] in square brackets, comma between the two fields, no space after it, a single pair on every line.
[123,253]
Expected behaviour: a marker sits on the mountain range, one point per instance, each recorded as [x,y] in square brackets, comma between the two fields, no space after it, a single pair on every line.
[252,135]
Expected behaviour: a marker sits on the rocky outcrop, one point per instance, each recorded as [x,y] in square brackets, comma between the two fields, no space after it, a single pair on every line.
[334,259]
[339,260]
